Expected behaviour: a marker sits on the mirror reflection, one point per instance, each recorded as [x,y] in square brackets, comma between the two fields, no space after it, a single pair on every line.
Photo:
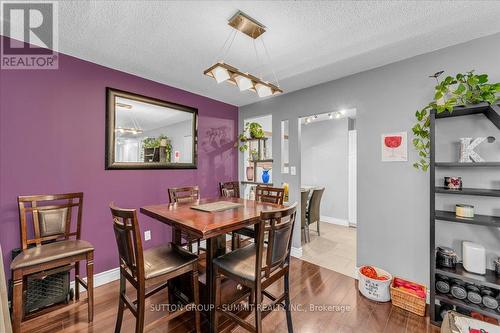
[152,133]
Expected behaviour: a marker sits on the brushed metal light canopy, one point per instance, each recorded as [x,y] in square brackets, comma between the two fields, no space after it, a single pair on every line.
[246,24]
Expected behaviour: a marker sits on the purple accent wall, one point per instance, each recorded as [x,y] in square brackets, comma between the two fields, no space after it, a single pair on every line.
[52,135]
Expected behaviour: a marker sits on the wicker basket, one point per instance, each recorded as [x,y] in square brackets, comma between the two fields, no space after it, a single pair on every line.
[407,300]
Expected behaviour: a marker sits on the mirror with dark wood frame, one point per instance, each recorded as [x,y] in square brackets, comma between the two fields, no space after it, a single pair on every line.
[148,133]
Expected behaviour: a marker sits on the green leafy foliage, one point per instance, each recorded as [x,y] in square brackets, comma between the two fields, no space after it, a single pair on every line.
[252,130]
[458,90]
[156,142]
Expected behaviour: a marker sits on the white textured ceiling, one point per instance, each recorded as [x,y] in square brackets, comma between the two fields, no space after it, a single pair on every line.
[310,42]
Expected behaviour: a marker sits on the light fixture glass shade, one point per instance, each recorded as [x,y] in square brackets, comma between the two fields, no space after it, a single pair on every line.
[243,83]
[263,90]
[220,74]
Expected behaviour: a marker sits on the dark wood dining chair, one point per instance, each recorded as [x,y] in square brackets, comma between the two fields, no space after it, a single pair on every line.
[139,267]
[181,195]
[184,194]
[257,266]
[55,245]
[270,194]
[231,190]
[313,210]
[263,193]
[304,198]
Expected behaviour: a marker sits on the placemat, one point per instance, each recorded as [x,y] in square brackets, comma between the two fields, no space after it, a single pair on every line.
[217,206]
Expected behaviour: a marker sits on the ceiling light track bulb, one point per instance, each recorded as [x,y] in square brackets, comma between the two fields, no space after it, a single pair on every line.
[125,130]
[244,81]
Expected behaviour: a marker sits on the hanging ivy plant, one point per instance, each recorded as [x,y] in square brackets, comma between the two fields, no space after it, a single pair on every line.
[461,89]
[253,131]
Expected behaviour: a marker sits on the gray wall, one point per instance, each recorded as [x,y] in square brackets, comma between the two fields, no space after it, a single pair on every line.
[393,204]
[325,148]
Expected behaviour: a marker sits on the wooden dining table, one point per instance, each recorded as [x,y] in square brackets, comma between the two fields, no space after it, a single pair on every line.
[211,226]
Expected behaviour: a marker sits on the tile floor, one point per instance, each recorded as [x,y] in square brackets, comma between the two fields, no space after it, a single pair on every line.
[335,249]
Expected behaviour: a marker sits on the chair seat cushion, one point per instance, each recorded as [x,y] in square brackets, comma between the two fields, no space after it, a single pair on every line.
[49,252]
[240,262]
[165,259]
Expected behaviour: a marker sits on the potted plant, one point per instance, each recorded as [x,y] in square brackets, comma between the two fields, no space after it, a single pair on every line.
[458,90]
[157,149]
[252,130]
[165,149]
[254,155]
[151,154]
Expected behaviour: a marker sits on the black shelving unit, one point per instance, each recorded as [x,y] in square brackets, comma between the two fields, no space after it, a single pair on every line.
[485,220]
[492,112]
[467,165]
[489,280]
[486,192]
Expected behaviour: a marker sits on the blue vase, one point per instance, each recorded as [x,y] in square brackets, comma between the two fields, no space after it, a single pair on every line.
[265,176]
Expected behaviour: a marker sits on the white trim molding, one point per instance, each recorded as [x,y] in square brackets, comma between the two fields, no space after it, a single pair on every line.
[296,252]
[101,278]
[334,220]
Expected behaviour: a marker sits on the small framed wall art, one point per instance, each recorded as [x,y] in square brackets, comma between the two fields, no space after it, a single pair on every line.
[394,147]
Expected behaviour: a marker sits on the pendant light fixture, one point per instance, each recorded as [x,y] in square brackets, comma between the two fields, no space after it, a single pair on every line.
[222,72]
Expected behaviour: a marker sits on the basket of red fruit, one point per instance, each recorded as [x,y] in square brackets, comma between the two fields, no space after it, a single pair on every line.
[374,283]
[409,295]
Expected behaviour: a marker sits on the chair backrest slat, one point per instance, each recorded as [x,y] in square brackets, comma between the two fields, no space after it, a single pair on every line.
[270,194]
[36,223]
[51,217]
[128,241]
[184,194]
[279,227]
[229,189]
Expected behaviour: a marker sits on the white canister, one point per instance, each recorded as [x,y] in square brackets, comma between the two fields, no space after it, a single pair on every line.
[474,257]
[376,290]
[466,211]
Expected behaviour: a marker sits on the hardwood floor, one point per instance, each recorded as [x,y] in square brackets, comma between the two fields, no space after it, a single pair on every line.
[310,284]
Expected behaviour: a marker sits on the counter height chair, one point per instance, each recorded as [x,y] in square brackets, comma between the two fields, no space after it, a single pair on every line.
[184,194]
[313,211]
[304,196]
[188,194]
[54,247]
[257,266]
[263,193]
[139,267]
[231,190]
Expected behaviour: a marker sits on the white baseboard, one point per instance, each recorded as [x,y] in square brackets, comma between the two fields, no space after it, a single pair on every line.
[102,278]
[296,252]
[334,220]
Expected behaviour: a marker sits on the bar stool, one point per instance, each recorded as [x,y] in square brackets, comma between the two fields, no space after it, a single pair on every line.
[138,267]
[257,267]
